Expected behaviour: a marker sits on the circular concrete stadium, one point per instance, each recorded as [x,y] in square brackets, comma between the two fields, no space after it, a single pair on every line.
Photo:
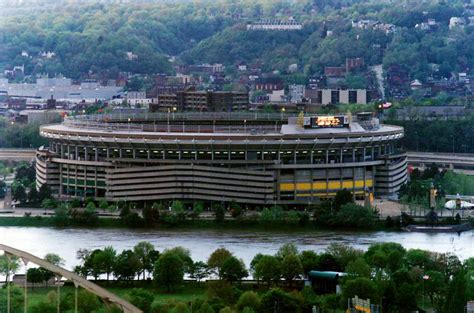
[250,158]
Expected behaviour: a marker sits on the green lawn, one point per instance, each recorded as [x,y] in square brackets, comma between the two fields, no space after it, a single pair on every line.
[187,293]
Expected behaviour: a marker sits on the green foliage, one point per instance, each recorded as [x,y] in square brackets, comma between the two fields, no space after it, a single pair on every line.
[16,298]
[147,255]
[362,287]
[141,298]
[275,300]
[169,270]
[126,266]
[291,268]
[233,269]
[309,261]
[219,213]
[217,259]
[342,197]
[199,271]
[250,300]
[43,307]
[20,135]
[221,290]
[267,268]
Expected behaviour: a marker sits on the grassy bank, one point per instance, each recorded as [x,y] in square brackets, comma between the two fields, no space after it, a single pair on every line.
[188,292]
[197,224]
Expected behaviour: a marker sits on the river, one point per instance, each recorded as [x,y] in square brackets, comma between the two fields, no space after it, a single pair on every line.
[201,243]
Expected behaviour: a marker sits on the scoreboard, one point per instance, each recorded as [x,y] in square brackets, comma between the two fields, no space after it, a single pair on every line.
[326,121]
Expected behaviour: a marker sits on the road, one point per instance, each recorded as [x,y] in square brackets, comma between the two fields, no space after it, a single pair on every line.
[458,162]
[17,154]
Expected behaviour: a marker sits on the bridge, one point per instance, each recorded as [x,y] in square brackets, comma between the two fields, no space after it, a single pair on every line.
[60,273]
[457,162]
[17,154]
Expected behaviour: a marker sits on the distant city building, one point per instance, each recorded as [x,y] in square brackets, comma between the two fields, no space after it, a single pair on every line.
[296,93]
[335,71]
[455,22]
[275,24]
[192,100]
[201,68]
[87,91]
[336,96]
[376,25]
[354,63]
[42,116]
[277,96]
[268,83]
[59,81]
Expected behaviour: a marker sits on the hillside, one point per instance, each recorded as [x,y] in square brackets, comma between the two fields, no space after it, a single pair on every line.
[96,38]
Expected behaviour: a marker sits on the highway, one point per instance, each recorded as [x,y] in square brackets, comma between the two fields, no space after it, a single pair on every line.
[17,154]
[459,162]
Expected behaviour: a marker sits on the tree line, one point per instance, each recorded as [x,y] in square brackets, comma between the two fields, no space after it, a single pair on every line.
[396,279]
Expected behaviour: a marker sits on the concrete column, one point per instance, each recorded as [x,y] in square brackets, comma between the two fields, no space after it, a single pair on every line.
[327,155]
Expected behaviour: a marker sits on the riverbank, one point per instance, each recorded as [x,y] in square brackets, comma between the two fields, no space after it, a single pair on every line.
[249,224]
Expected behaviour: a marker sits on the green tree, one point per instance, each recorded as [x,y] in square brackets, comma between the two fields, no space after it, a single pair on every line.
[344,253]
[291,268]
[233,269]
[219,213]
[105,260]
[54,259]
[286,249]
[217,259]
[34,276]
[277,301]
[9,265]
[249,299]
[169,270]
[309,261]
[199,271]
[364,288]
[268,269]
[358,268]
[342,197]
[126,266]
[19,194]
[185,256]
[145,252]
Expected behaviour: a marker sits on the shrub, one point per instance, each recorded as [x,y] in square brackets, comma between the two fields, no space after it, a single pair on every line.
[248,299]
[142,299]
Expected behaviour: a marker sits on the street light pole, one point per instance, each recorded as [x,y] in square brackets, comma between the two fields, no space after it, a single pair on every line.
[26,286]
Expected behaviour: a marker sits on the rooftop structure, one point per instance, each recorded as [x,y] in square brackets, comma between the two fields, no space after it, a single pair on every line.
[61,92]
[271,25]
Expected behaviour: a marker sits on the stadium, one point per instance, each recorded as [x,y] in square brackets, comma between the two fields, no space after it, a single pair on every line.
[251,158]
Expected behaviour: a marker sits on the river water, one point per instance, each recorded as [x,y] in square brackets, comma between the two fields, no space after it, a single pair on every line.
[201,243]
